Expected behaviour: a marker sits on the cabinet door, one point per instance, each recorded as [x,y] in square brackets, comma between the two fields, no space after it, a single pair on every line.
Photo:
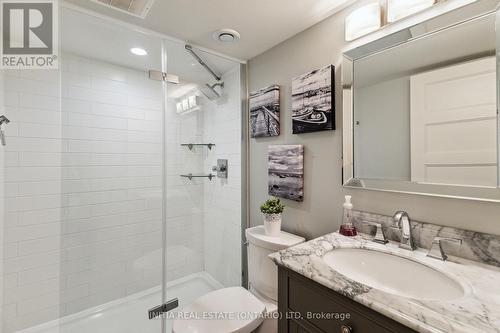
[315,304]
[294,327]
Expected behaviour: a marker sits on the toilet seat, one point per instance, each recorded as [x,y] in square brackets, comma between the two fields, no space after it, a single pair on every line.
[228,310]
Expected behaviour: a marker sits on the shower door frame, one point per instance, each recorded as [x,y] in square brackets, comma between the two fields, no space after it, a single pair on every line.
[245,181]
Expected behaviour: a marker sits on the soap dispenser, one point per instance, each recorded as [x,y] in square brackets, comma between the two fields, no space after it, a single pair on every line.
[347,228]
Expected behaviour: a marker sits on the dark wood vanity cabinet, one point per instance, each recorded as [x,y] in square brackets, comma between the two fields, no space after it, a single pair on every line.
[308,307]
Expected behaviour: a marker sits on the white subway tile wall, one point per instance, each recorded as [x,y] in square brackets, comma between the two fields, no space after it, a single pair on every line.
[222,197]
[10,280]
[203,216]
[184,202]
[83,189]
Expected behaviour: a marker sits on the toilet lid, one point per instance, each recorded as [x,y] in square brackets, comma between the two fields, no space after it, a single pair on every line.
[228,310]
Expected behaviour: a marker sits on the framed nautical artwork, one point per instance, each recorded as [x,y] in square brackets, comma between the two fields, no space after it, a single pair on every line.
[265,112]
[313,105]
[286,171]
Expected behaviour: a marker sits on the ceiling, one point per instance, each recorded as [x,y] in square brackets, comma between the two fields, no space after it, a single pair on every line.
[104,41]
[261,23]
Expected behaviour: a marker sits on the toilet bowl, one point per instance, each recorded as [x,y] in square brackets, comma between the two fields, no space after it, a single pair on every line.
[235,309]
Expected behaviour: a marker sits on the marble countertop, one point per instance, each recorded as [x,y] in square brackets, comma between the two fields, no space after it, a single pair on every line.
[477,311]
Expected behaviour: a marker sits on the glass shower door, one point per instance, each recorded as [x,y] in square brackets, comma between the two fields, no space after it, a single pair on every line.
[203,208]
[81,184]
[109,204]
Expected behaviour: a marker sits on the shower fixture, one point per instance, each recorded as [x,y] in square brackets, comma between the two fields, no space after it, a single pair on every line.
[207,90]
[189,48]
[210,92]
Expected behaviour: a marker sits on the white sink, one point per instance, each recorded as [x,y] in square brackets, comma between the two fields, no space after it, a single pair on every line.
[393,274]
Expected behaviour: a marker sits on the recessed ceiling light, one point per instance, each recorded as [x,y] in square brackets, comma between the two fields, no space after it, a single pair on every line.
[226,35]
[138,51]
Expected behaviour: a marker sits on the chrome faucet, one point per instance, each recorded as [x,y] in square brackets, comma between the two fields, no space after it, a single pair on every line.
[402,220]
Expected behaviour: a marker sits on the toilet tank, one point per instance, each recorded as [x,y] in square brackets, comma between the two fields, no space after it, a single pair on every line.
[262,272]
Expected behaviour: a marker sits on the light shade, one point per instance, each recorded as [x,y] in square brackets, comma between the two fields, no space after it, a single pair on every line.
[138,51]
[363,21]
[398,9]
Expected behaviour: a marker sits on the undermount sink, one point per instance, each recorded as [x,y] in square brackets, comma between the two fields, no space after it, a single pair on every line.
[393,274]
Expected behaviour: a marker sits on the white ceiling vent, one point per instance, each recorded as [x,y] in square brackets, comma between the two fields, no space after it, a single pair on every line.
[138,8]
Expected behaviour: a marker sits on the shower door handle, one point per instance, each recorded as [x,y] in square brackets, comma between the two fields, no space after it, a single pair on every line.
[163,308]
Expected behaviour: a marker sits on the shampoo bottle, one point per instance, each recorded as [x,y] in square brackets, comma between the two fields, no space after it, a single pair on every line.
[347,228]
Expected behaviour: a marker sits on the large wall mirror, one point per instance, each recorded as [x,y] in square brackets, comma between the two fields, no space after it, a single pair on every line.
[420,108]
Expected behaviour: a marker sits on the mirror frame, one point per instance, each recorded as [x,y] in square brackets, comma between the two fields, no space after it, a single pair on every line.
[473,11]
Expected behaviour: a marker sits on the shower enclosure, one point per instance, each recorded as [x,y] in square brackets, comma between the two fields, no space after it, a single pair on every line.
[112,191]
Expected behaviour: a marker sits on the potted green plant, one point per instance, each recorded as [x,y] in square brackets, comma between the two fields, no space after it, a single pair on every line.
[272,210]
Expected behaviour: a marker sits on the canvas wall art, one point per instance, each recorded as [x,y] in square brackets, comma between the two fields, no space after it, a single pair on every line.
[313,107]
[265,112]
[286,171]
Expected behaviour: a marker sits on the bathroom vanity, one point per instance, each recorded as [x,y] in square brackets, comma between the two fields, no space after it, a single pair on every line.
[313,308]
[386,288]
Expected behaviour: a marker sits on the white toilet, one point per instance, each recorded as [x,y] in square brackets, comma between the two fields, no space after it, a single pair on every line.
[235,309]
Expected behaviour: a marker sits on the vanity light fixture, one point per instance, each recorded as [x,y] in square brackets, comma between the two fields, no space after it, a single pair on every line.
[138,51]
[398,9]
[363,20]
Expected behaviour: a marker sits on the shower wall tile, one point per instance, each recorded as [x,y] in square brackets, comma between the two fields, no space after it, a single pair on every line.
[33,107]
[222,197]
[83,222]
[83,189]
[184,197]
[203,216]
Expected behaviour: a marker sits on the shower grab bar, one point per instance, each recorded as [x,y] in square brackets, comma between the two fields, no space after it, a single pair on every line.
[191,176]
[189,48]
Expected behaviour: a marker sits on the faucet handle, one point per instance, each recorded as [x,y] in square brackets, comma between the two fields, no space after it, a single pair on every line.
[379,234]
[437,251]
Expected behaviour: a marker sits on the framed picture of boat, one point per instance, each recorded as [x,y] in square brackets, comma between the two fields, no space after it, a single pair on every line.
[265,112]
[313,106]
[286,171]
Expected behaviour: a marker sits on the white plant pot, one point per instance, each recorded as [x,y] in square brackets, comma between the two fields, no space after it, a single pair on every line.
[272,224]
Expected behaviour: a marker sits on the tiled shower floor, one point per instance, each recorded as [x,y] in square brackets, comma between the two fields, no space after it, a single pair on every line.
[129,315]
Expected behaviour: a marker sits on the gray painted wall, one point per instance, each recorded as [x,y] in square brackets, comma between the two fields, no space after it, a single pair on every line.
[321,211]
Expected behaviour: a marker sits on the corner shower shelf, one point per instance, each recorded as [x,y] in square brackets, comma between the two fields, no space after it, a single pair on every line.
[191,176]
[192,145]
